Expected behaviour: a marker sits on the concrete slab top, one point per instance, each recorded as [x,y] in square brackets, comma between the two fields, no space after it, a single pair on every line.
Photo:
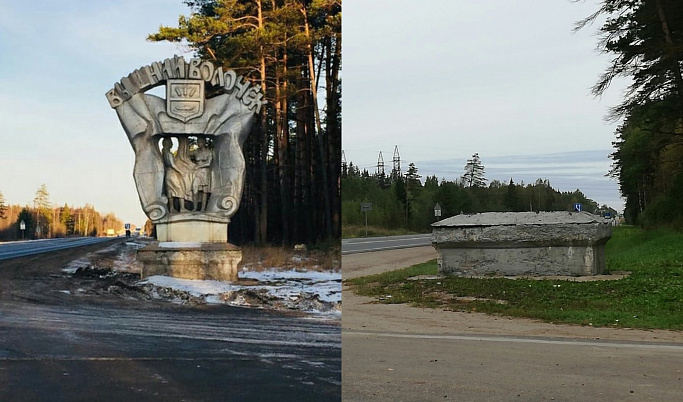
[519,218]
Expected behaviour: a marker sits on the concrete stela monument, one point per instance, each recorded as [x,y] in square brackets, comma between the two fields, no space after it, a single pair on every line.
[522,243]
[189,166]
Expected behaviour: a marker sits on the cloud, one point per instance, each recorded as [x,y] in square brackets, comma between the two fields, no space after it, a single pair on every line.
[566,171]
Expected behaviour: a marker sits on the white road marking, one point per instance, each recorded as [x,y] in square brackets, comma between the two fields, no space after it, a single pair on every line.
[521,340]
[385,240]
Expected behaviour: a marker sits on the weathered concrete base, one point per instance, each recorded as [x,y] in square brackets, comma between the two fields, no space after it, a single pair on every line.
[213,261]
[523,261]
[521,243]
[200,228]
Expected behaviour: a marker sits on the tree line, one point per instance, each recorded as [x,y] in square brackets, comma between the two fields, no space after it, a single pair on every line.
[646,39]
[292,49]
[402,201]
[42,220]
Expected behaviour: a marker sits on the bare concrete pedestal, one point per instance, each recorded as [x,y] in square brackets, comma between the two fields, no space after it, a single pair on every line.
[521,243]
[193,227]
[214,261]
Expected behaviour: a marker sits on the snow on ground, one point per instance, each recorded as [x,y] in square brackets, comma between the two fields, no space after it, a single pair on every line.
[310,291]
[74,265]
[125,260]
[307,289]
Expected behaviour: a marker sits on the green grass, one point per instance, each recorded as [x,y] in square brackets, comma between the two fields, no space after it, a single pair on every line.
[352,232]
[650,297]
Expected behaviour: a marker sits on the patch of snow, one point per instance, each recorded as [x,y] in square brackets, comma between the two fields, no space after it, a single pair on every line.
[302,275]
[192,286]
[74,265]
[312,291]
[213,299]
[127,262]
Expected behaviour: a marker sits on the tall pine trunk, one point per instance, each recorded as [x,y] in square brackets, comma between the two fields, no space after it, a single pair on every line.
[263,210]
[671,55]
[282,132]
[332,65]
[318,128]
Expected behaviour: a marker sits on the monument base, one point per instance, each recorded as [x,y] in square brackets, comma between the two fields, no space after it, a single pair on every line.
[193,227]
[214,261]
[521,244]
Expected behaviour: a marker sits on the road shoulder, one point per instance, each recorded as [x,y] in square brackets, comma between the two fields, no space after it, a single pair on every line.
[363,314]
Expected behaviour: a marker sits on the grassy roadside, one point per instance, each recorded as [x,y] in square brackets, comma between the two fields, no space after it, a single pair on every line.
[324,257]
[650,297]
[352,232]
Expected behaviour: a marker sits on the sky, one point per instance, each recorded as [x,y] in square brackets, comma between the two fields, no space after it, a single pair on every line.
[441,79]
[510,81]
[57,61]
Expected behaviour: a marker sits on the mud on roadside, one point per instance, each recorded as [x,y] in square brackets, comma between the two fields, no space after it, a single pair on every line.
[302,285]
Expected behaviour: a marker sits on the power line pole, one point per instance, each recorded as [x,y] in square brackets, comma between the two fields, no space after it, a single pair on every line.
[343,164]
[396,171]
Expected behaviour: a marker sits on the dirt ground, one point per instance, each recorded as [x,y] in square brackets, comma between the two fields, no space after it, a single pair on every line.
[98,336]
[109,274]
[364,314]
[39,277]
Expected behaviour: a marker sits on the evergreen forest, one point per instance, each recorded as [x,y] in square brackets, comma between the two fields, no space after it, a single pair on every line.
[645,40]
[292,49]
[402,201]
[43,220]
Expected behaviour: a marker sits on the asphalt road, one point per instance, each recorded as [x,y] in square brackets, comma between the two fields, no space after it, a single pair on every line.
[58,345]
[416,367]
[400,353]
[81,352]
[368,244]
[32,247]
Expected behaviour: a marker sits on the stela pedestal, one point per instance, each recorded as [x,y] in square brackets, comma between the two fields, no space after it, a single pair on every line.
[215,261]
[189,166]
[521,244]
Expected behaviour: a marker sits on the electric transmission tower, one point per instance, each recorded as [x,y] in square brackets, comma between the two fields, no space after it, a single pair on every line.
[343,164]
[380,165]
[396,170]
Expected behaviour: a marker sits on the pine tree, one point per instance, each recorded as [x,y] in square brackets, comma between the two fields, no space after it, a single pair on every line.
[66,219]
[43,211]
[511,200]
[474,173]
[402,196]
[431,182]
[291,47]
[383,181]
[645,37]
[412,179]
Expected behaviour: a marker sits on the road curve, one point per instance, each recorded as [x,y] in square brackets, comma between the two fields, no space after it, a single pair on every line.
[31,247]
[367,244]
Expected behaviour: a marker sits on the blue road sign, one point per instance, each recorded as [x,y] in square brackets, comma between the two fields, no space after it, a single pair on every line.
[126,226]
[578,207]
